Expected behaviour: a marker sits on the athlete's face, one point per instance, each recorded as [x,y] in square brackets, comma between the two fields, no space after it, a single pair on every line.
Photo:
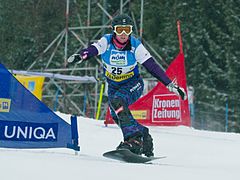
[122,38]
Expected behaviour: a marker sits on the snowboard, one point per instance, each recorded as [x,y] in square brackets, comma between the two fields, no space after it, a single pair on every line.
[126,155]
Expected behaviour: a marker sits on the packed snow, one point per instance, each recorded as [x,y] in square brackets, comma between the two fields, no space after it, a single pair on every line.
[190,154]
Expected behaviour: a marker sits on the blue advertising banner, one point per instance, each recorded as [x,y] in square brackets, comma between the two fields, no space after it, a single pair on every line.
[26,131]
[26,122]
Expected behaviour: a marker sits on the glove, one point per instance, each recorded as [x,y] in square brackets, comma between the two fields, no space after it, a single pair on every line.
[172,87]
[78,58]
[75,58]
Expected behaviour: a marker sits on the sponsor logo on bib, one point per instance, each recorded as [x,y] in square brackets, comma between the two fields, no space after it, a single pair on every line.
[118,58]
[119,78]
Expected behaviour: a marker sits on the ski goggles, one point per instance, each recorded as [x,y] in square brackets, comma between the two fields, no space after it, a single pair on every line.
[120,29]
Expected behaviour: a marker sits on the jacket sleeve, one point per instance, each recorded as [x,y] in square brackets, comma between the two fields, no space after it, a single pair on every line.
[154,69]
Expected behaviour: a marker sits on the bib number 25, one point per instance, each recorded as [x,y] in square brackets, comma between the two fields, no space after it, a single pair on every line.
[116,70]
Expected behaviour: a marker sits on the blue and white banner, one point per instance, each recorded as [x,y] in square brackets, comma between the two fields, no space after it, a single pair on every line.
[27,131]
[26,122]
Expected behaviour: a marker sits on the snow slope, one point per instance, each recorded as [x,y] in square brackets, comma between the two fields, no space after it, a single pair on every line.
[191,154]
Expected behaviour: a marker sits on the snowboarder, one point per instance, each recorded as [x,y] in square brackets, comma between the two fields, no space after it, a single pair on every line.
[121,53]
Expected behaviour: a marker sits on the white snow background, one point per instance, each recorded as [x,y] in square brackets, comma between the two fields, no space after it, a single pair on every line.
[191,155]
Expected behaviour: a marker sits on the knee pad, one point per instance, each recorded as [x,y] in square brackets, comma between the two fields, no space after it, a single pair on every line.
[117,105]
[121,110]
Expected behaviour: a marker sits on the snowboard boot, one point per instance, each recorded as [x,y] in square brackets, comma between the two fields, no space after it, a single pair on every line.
[134,144]
[147,144]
